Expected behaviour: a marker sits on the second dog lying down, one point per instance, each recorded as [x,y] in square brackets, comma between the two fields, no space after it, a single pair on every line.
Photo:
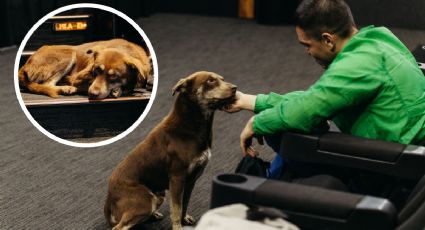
[95,68]
[172,156]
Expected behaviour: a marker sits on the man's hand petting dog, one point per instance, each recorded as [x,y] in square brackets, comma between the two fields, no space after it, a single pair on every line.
[172,157]
[241,102]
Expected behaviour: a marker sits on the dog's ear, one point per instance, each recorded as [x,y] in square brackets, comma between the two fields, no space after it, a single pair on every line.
[95,51]
[181,86]
[143,69]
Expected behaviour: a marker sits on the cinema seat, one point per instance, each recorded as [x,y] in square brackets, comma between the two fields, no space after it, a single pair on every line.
[338,149]
[321,208]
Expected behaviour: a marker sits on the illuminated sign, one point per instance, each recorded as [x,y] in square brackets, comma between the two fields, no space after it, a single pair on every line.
[70,26]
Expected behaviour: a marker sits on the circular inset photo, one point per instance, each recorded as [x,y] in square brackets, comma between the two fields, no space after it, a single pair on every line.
[86,75]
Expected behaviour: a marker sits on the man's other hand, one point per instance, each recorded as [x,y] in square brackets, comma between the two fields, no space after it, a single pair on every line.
[246,137]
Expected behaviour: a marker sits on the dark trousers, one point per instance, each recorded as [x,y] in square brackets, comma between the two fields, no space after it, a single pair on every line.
[300,172]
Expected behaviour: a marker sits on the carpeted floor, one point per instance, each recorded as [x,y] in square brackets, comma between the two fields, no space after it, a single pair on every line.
[47,185]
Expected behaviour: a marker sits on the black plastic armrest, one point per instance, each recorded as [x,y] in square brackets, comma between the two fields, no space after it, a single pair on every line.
[403,161]
[306,206]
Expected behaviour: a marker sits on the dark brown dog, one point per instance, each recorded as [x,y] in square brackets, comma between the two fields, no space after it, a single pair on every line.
[172,156]
[99,68]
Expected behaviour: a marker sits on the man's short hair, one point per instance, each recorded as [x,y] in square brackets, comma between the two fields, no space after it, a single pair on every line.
[318,16]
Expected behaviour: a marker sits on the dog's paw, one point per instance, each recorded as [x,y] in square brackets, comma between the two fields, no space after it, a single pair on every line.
[68,89]
[157,215]
[53,94]
[75,81]
[177,227]
[189,220]
[116,92]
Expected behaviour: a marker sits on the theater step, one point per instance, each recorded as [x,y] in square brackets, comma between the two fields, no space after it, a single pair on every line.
[80,119]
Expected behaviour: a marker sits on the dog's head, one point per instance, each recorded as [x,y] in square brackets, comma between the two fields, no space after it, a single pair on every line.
[207,89]
[114,70]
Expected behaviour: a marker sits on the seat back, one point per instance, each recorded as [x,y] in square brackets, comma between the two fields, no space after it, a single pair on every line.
[413,213]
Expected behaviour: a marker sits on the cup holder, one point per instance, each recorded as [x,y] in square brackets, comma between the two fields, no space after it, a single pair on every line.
[232,178]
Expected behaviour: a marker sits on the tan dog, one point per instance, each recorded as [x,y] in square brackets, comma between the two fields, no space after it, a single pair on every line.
[172,156]
[97,68]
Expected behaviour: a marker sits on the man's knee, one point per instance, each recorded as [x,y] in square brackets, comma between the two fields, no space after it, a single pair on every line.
[273,141]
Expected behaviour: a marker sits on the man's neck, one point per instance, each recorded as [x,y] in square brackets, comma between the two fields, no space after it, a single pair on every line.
[340,45]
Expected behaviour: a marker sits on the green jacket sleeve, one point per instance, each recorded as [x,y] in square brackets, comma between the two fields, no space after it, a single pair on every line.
[347,82]
[267,101]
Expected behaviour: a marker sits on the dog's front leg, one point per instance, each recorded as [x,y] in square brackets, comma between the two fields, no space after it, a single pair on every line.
[189,185]
[82,76]
[177,184]
[187,219]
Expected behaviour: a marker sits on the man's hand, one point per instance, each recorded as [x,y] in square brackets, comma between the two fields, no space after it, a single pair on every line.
[242,101]
[246,139]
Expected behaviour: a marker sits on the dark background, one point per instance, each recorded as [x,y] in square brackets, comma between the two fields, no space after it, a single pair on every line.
[17,16]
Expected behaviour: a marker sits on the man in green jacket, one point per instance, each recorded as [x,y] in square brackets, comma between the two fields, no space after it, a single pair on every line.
[372,86]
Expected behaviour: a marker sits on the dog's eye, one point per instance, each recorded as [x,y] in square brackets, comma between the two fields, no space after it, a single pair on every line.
[97,70]
[114,77]
[210,80]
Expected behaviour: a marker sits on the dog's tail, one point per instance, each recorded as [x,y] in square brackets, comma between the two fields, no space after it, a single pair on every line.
[107,211]
[35,87]
[22,78]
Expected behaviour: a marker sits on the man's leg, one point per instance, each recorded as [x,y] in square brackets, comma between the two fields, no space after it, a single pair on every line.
[276,167]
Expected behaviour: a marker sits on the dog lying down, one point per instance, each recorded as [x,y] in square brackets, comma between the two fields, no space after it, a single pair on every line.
[172,156]
[99,69]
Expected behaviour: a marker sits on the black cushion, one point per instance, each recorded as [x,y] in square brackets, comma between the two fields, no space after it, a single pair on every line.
[414,202]
[322,181]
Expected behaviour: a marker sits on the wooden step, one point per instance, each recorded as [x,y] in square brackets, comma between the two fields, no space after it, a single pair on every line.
[79,118]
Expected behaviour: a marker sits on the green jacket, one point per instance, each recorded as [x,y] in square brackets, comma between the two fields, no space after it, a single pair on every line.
[372,89]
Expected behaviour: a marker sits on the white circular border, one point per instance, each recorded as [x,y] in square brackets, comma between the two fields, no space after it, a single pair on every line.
[155,70]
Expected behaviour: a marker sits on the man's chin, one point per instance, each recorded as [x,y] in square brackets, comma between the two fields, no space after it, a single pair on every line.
[323,64]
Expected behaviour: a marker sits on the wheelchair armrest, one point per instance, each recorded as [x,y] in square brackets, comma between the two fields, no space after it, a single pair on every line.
[399,160]
[306,206]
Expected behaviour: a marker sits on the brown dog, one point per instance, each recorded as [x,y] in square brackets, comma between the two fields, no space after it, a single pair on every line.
[99,68]
[172,156]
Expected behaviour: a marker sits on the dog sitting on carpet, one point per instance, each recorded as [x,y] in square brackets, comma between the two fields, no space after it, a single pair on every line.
[172,157]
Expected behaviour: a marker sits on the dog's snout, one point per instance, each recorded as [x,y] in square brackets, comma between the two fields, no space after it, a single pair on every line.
[233,87]
[94,93]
